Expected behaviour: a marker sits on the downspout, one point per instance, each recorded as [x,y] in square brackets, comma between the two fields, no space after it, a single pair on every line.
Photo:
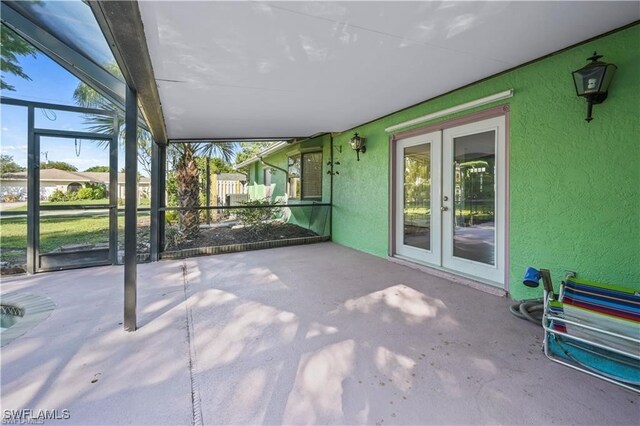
[286,173]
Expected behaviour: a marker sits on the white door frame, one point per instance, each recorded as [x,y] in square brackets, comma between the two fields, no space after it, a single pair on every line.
[490,274]
[432,255]
[493,273]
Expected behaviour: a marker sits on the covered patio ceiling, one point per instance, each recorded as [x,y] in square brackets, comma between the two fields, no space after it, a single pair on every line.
[290,69]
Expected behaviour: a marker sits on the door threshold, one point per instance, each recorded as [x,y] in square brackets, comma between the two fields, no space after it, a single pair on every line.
[456,278]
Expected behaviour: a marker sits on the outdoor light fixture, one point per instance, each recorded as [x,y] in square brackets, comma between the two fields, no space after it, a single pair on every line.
[357,144]
[592,81]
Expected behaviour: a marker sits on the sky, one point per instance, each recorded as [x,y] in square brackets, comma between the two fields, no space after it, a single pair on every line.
[52,84]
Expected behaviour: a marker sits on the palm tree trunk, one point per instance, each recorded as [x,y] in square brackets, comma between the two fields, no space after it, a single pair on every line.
[188,189]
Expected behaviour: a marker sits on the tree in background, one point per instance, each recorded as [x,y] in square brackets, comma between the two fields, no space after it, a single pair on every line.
[12,46]
[251,149]
[7,165]
[87,97]
[216,166]
[60,165]
[99,169]
[183,156]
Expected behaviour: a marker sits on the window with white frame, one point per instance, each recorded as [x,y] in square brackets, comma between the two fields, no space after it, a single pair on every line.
[305,176]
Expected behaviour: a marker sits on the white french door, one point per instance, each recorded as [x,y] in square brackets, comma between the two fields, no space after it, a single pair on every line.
[450,199]
[418,229]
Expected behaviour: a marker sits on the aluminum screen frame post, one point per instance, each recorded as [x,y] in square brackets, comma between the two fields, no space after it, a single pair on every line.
[130,211]
[162,194]
[113,192]
[33,164]
[156,199]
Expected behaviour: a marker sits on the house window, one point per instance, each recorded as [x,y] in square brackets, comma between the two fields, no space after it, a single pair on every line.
[312,175]
[73,187]
[305,176]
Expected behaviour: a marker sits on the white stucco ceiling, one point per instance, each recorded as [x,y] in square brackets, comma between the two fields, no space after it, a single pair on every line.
[278,69]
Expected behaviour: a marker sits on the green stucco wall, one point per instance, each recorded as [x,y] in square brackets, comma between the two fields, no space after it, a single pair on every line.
[574,198]
[298,215]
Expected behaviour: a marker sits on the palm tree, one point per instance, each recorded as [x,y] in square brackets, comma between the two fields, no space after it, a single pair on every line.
[87,97]
[13,46]
[188,180]
[183,155]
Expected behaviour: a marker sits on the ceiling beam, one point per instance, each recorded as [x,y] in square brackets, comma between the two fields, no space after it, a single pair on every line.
[122,27]
[239,139]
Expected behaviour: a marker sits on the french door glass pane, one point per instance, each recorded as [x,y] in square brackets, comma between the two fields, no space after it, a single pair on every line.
[417,196]
[474,207]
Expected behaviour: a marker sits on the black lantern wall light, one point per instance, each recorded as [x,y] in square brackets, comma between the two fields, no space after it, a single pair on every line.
[592,81]
[358,145]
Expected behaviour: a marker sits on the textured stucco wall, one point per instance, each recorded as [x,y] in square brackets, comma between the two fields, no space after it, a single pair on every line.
[299,215]
[574,199]
[281,160]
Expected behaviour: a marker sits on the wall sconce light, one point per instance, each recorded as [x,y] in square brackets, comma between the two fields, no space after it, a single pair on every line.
[592,81]
[358,145]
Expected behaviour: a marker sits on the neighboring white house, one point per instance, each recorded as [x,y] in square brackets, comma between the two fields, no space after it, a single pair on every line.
[15,184]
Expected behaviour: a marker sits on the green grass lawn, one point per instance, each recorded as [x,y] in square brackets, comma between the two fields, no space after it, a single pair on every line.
[13,239]
[57,231]
[417,210]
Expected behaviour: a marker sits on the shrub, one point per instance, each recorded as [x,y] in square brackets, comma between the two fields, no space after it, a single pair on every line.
[58,195]
[256,214]
[98,191]
[84,194]
[171,216]
[172,237]
[90,192]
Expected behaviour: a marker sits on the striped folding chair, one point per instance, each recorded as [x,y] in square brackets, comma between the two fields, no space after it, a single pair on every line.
[595,328]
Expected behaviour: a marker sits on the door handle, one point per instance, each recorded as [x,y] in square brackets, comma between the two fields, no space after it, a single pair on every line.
[444,208]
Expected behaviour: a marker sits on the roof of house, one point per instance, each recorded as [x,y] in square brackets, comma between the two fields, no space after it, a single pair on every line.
[104,177]
[52,175]
[57,175]
[268,151]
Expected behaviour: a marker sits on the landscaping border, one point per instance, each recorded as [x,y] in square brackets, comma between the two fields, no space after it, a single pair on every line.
[235,248]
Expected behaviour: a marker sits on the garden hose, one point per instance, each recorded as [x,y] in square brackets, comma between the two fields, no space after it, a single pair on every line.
[529,309]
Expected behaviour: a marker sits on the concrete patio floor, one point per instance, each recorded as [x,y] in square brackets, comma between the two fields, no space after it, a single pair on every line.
[316,334]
